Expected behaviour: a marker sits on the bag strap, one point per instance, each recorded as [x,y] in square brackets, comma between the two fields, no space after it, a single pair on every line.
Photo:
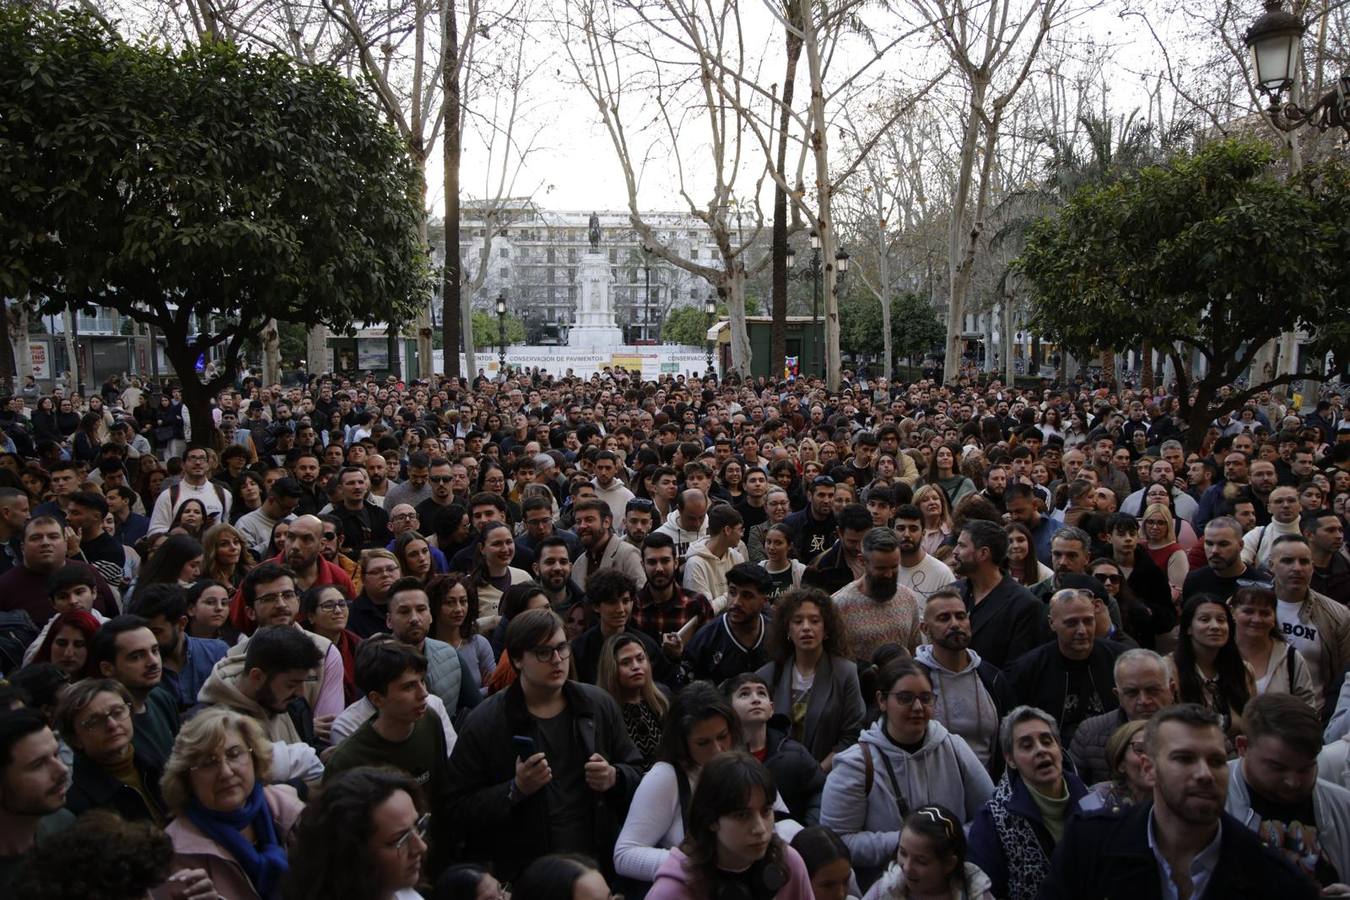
[869,773]
[901,803]
[682,782]
[1289,658]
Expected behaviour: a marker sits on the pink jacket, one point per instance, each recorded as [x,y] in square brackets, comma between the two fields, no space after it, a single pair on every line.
[672,882]
[194,850]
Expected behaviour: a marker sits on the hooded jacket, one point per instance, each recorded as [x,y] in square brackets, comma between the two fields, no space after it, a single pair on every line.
[944,771]
[673,880]
[970,702]
[706,573]
[975,885]
[1331,808]
[223,688]
[683,538]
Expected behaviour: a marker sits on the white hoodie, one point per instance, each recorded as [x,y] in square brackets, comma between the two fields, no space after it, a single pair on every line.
[684,540]
[707,573]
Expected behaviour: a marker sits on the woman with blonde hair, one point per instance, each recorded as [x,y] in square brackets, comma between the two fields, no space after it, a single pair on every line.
[1128,784]
[225,557]
[625,673]
[1160,542]
[225,820]
[932,501]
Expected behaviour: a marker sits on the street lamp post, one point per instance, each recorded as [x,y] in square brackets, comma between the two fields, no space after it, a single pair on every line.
[501,332]
[813,270]
[711,309]
[647,295]
[1275,41]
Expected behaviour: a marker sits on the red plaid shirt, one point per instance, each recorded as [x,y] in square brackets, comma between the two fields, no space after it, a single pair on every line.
[658,619]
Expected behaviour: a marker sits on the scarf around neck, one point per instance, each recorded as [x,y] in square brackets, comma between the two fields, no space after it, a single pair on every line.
[264,864]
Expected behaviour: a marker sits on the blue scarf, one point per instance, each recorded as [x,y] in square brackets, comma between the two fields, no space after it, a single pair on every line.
[265,864]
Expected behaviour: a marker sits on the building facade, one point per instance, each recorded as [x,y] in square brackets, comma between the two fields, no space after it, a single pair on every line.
[533,258]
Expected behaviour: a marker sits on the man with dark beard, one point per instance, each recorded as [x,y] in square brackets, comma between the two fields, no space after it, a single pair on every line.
[976,696]
[1182,844]
[262,681]
[876,609]
[1005,620]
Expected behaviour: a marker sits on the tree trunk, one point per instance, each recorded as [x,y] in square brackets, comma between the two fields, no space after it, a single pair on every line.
[778,330]
[1146,366]
[732,291]
[825,221]
[197,396]
[1009,343]
[886,298]
[1109,368]
[7,372]
[271,373]
[422,323]
[452,276]
[316,351]
[18,336]
[72,357]
[962,223]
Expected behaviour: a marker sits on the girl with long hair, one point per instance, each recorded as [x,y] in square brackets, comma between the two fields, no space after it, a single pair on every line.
[67,644]
[731,844]
[937,516]
[699,725]
[492,572]
[454,620]
[414,555]
[364,838]
[177,561]
[224,555]
[1024,566]
[1207,666]
[248,494]
[1158,533]
[812,679]
[325,610]
[208,605]
[191,518]
[778,562]
[625,673]
[945,472]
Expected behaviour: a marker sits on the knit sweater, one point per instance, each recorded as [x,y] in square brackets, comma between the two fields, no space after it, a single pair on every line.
[871,623]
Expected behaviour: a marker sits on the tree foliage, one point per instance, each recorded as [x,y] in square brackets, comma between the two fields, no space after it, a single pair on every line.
[915,327]
[1215,253]
[687,325]
[208,181]
[487,332]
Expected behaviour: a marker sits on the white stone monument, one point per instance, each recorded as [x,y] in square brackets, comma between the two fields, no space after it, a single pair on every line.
[593,327]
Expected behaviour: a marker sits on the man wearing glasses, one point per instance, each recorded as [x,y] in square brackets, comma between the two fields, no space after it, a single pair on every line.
[546,765]
[194,485]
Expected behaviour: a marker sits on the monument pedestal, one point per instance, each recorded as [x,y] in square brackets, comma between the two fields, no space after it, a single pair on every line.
[593,327]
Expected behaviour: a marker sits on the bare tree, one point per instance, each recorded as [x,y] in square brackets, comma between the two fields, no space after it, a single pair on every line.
[993,45]
[627,53]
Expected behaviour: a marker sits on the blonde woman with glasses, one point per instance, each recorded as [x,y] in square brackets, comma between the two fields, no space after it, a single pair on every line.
[227,820]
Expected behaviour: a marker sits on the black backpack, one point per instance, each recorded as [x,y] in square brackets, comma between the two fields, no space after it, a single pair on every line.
[17,631]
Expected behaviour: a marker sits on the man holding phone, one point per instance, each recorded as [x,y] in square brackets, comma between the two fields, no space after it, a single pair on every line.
[546,765]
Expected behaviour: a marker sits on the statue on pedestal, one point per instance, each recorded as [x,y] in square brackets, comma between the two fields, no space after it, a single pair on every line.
[595,231]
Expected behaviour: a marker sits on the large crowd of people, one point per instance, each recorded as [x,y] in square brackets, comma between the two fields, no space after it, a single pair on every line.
[567,638]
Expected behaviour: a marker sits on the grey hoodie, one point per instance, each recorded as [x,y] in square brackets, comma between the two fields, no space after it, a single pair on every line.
[963,703]
[944,770]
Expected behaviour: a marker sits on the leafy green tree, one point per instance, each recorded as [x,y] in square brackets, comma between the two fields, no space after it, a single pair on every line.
[1215,253]
[915,326]
[199,186]
[487,334]
[686,325]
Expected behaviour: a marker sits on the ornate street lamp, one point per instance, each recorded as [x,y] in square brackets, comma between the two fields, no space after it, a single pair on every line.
[814,270]
[501,332]
[1275,41]
[710,308]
